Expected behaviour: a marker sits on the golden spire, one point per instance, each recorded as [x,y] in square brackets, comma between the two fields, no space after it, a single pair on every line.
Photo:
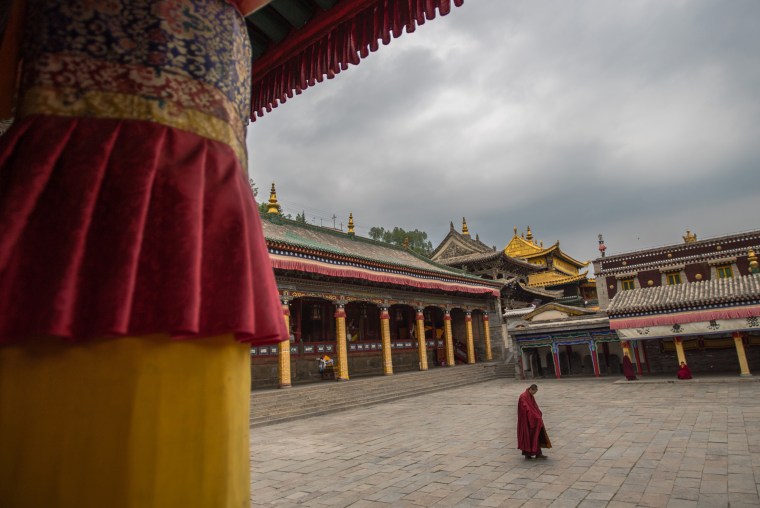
[515,230]
[689,237]
[350,223]
[406,242]
[465,231]
[274,206]
[752,258]
[530,234]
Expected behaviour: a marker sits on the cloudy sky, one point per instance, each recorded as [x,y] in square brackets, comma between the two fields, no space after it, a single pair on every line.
[635,119]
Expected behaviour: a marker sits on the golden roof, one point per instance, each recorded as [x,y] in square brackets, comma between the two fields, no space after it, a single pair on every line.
[553,278]
[521,248]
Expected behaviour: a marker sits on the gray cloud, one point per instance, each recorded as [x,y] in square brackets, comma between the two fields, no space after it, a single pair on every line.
[635,119]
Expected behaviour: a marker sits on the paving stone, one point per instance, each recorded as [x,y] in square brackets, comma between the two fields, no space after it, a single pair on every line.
[648,445]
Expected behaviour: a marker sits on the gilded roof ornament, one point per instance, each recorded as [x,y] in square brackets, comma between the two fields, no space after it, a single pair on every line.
[753,264]
[689,237]
[406,242]
[465,231]
[274,206]
[350,223]
[529,235]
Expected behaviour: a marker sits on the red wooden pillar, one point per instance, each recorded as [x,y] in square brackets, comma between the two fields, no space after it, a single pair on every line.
[646,357]
[594,357]
[555,353]
[638,358]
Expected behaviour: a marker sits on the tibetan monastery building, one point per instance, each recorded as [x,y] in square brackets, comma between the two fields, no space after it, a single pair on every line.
[372,307]
[696,302]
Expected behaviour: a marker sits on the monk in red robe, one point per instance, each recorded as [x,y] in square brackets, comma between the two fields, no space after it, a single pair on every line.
[630,375]
[531,433]
[684,372]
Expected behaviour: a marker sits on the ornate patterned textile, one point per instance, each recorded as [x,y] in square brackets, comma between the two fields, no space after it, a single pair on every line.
[124,205]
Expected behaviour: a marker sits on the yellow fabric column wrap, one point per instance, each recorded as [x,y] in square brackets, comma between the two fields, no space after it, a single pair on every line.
[385,335]
[679,350]
[283,353]
[341,374]
[743,365]
[450,361]
[470,340]
[487,329]
[419,325]
[125,422]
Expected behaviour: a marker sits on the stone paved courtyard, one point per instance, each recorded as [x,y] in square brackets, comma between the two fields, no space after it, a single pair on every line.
[684,444]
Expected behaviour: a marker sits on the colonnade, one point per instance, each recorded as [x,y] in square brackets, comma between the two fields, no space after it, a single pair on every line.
[341,349]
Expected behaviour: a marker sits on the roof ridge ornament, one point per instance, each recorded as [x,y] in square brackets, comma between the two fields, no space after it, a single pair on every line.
[753,264]
[529,236]
[465,231]
[351,224]
[689,237]
[273,207]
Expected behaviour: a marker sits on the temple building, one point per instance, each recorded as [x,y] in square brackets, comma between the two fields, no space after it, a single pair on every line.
[696,302]
[558,340]
[372,307]
[460,250]
[558,271]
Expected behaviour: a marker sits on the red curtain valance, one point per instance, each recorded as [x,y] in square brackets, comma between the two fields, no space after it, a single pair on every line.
[330,41]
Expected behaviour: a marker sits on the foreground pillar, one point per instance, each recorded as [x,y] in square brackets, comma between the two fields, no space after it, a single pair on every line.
[487,329]
[283,353]
[419,326]
[450,360]
[470,340]
[743,365]
[679,350]
[385,336]
[125,422]
[594,357]
[341,373]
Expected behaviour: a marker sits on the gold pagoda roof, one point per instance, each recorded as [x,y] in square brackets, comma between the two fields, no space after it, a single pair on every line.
[527,248]
[554,278]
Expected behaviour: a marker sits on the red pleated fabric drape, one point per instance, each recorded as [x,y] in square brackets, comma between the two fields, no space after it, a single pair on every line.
[114,227]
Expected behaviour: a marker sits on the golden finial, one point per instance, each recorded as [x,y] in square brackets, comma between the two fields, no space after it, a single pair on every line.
[406,242]
[465,231]
[515,229]
[350,223]
[542,244]
[753,265]
[689,237]
[530,234]
[274,206]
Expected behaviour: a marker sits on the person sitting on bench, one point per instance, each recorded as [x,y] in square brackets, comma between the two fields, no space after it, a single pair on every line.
[324,361]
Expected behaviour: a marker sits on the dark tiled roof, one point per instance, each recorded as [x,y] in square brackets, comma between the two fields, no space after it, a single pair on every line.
[491,256]
[288,233]
[692,295]
[679,253]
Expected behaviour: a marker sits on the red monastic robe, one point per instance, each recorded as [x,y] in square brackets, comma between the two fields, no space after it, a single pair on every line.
[684,372]
[531,434]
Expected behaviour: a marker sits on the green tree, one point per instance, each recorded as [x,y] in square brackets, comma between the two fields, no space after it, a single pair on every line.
[301,217]
[418,240]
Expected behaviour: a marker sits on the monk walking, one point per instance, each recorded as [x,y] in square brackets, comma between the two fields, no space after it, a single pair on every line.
[531,433]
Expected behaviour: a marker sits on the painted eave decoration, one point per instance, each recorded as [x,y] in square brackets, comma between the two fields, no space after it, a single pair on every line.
[297,43]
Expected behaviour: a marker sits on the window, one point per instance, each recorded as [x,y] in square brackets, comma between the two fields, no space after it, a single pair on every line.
[626,284]
[724,272]
[674,278]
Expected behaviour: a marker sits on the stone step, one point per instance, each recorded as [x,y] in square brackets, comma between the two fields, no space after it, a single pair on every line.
[273,406]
